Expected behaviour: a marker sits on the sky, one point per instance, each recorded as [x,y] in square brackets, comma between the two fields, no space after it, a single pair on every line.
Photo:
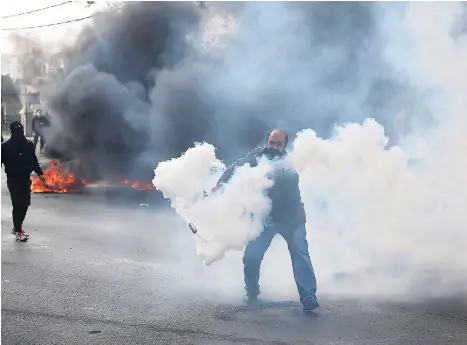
[50,35]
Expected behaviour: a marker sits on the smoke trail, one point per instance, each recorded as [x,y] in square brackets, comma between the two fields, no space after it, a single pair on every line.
[227,219]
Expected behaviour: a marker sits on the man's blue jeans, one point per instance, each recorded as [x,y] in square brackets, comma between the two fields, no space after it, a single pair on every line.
[301,263]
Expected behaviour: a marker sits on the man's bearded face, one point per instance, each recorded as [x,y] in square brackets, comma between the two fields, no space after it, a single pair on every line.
[276,144]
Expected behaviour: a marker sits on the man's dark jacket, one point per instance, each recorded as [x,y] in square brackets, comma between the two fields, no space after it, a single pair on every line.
[287,207]
[39,123]
[19,158]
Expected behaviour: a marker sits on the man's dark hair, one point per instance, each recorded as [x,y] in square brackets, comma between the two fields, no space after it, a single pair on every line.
[285,133]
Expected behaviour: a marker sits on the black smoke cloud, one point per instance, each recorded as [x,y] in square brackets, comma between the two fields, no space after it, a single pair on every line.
[101,111]
[140,85]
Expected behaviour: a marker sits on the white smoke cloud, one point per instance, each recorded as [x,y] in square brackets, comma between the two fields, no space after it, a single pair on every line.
[381,212]
[229,217]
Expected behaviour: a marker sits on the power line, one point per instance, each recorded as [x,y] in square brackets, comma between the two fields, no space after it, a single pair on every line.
[45,25]
[37,10]
[59,23]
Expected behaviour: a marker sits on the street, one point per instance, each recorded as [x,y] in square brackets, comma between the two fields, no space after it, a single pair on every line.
[99,271]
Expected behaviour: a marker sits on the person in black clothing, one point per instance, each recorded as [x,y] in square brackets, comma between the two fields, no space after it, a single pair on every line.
[20,160]
[39,122]
[287,218]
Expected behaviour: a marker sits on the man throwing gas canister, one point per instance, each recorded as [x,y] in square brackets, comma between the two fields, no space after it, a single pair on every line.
[287,217]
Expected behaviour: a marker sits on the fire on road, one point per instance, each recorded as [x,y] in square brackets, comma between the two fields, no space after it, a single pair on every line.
[61,179]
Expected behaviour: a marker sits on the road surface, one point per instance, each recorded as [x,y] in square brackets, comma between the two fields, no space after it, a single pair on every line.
[108,272]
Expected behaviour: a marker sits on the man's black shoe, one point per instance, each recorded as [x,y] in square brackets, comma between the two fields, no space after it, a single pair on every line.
[251,300]
[310,303]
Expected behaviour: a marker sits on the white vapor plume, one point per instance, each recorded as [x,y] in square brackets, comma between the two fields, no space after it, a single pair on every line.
[380,212]
[229,217]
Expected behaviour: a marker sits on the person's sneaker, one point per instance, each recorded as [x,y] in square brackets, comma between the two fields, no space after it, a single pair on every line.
[251,300]
[310,303]
[21,236]
[13,231]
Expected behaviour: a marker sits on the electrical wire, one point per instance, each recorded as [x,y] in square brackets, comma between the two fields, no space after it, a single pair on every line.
[59,23]
[46,25]
[37,10]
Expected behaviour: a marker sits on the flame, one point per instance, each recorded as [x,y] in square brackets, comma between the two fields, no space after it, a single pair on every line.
[88,183]
[60,181]
[138,185]
[55,177]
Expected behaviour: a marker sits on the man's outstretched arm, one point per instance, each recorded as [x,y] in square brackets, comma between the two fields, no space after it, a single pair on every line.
[228,173]
[35,164]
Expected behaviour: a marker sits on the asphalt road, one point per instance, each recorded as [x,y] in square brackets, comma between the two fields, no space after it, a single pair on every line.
[108,272]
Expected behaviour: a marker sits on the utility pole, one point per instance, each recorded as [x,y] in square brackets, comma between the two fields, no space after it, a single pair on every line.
[24,113]
[26,100]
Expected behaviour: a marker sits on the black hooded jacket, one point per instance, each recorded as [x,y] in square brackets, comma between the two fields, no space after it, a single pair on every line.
[287,207]
[19,158]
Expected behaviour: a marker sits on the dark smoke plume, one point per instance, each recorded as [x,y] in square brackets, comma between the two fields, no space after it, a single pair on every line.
[101,109]
[140,85]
